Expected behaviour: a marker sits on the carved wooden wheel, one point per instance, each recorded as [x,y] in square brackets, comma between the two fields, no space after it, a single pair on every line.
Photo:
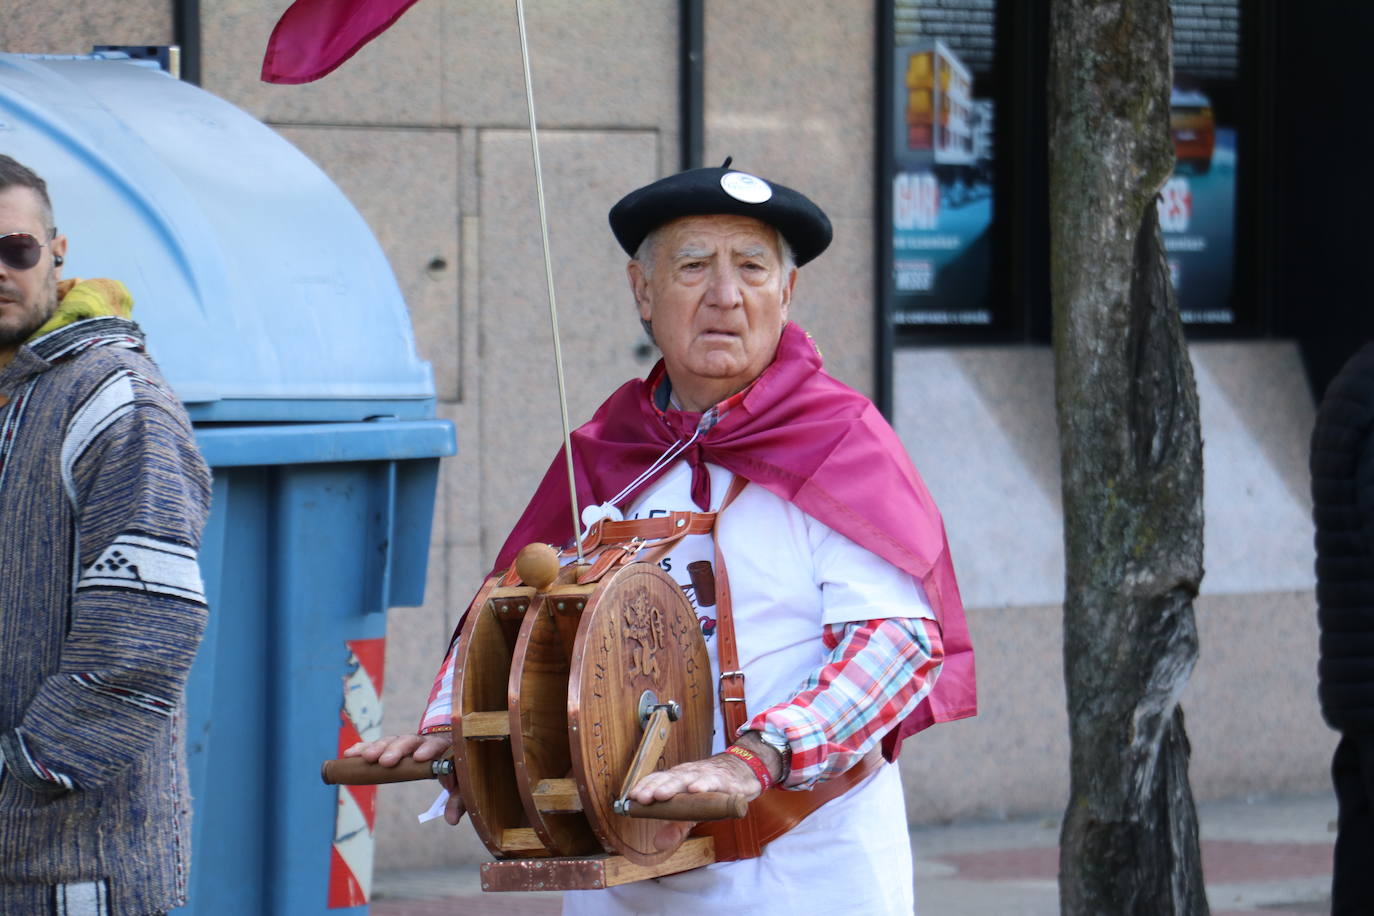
[638,643]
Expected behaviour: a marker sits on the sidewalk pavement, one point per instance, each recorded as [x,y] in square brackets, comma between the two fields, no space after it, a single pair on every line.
[1261,856]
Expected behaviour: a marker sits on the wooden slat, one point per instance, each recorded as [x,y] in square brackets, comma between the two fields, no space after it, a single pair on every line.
[571,590]
[568,600]
[478,725]
[557,796]
[512,591]
[521,841]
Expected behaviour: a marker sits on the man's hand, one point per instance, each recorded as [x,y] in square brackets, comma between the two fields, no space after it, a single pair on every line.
[719,773]
[392,749]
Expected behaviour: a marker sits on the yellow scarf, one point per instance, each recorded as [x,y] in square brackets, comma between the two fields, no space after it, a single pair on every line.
[81,299]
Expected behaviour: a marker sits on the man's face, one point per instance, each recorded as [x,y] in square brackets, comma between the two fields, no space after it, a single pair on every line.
[27,297]
[717,298]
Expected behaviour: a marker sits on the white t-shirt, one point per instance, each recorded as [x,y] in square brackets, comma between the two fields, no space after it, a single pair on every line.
[789,576]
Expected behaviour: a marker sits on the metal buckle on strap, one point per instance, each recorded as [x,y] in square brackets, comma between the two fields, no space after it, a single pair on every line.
[631,549]
[723,676]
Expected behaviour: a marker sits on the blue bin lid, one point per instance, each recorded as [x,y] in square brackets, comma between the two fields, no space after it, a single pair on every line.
[264,295]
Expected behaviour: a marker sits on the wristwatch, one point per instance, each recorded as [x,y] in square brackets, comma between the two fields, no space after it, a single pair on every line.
[784,750]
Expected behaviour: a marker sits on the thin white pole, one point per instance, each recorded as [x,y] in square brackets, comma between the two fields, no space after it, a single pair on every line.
[548,276]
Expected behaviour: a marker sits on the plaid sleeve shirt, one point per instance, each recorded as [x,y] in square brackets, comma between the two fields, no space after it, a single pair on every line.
[876,674]
[438,717]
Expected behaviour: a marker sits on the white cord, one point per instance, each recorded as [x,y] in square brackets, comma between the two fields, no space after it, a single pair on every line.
[548,273]
[611,508]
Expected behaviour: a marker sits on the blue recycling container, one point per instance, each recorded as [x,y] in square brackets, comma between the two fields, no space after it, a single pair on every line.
[274,314]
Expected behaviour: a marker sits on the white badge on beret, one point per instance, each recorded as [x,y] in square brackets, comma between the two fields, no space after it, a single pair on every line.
[745,187]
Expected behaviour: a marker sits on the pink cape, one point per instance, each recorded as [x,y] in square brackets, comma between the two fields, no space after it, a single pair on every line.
[812,441]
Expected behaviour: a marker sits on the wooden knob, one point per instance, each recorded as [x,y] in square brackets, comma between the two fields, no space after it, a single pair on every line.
[537,565]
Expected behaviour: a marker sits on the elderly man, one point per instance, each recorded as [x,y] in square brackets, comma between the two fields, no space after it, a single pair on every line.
[102,500]
[844,609]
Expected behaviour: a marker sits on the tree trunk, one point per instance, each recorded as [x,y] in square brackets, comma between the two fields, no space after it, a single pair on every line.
[1132,467]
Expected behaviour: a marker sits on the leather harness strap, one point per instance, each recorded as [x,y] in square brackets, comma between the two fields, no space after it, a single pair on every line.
[777,810]
[672,527]
[733,712]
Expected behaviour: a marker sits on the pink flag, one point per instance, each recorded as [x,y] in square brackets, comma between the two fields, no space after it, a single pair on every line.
[315,36]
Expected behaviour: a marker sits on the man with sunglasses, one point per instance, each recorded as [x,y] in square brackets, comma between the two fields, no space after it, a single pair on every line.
[28,296]
[102,500]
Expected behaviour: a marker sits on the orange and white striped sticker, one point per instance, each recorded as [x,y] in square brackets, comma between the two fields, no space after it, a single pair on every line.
[350,866]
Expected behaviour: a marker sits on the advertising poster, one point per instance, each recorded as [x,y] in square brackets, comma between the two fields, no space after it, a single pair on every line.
[942,155]
[1197,207]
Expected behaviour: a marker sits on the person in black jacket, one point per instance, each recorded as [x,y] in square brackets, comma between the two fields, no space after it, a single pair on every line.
[1343,506]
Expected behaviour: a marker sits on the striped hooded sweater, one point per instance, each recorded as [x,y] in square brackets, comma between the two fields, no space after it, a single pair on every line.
[103,497]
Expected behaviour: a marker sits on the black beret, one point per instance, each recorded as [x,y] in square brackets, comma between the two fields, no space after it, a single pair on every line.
[704,192]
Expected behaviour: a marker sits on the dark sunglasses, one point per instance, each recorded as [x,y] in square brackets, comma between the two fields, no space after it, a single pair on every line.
[19,250]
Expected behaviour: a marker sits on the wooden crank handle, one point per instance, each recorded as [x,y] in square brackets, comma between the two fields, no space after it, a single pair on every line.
[355,771]
[689,806]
